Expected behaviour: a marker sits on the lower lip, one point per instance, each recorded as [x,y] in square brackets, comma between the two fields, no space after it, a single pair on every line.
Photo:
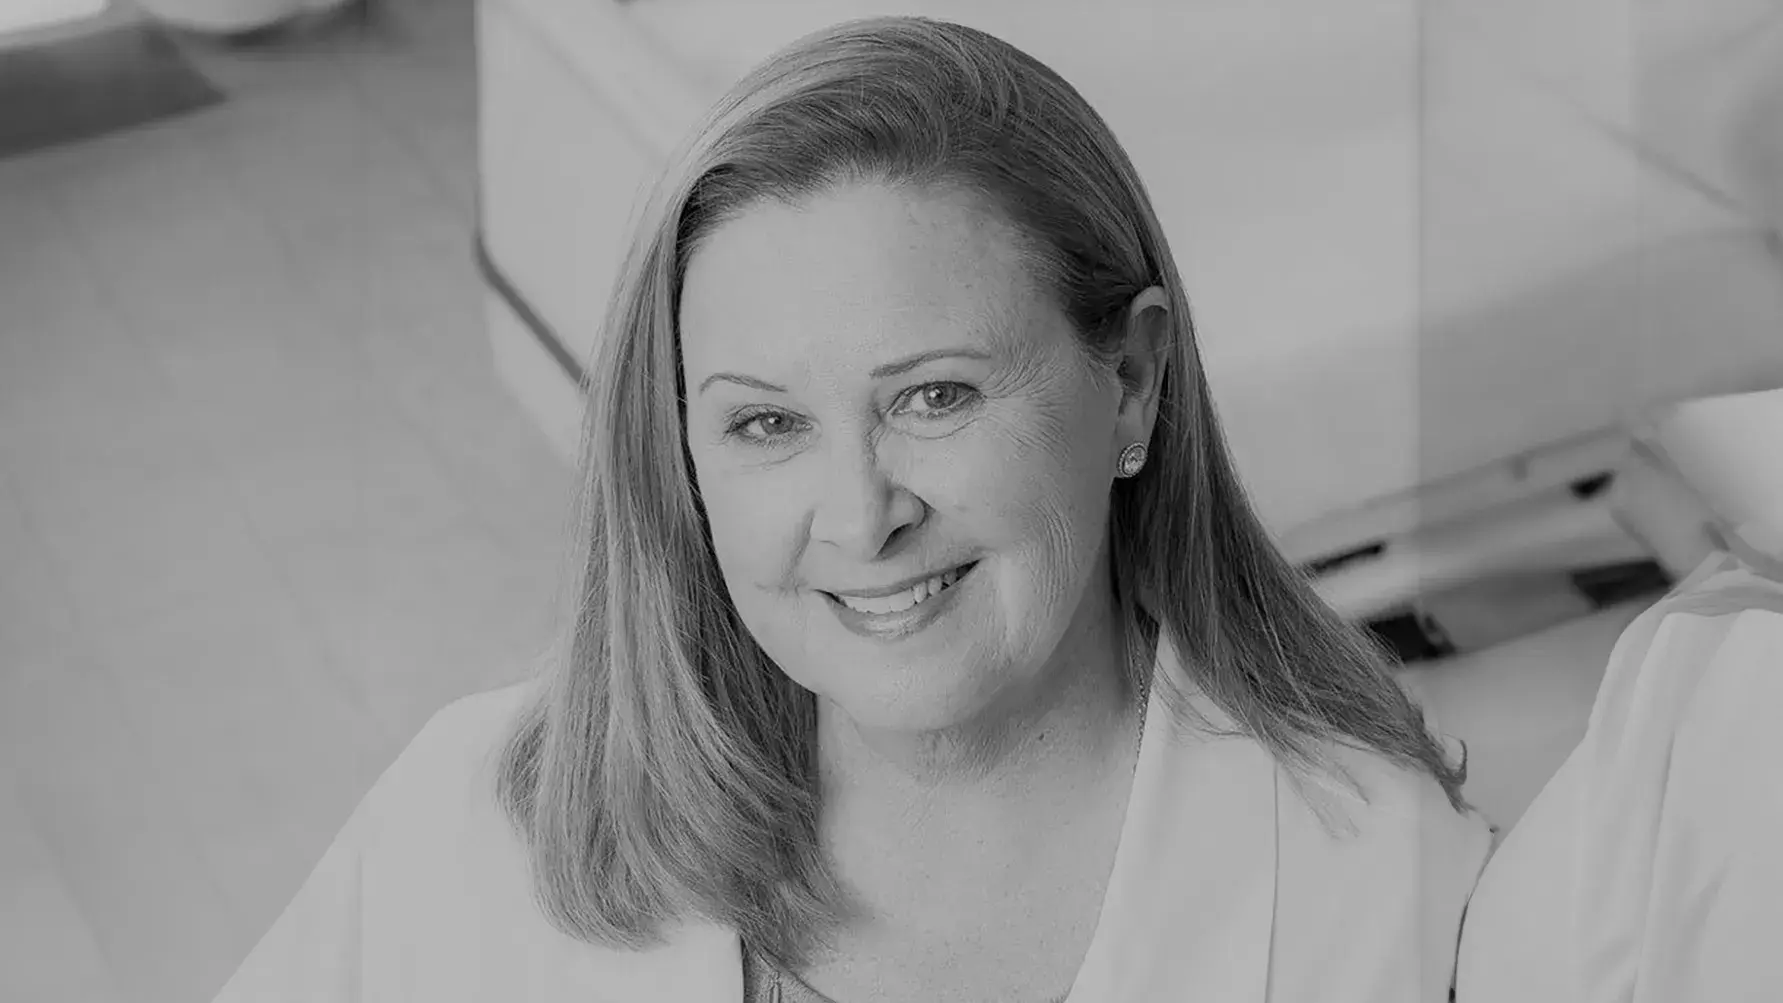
[893,626]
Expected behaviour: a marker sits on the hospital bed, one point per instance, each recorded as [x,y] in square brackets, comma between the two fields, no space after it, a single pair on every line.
[1447,261]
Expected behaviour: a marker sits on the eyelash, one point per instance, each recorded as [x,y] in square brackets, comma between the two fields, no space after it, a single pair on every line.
[744,418]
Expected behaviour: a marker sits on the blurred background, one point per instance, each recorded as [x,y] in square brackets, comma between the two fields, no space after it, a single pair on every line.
[264,504]
[295,297]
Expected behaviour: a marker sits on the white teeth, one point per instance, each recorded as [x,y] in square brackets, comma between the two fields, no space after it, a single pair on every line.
[889,604]
[903,600]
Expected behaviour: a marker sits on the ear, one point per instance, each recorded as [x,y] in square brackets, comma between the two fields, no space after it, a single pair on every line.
[1141,364]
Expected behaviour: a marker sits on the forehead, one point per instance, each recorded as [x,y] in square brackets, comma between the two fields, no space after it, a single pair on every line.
[856,268]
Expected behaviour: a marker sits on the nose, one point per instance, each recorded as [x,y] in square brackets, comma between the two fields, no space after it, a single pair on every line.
[861,509]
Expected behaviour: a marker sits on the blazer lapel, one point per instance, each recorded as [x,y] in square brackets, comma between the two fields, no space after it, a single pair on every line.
[1190,906]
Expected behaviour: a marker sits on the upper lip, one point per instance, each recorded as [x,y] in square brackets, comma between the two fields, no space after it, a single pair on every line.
[892,590]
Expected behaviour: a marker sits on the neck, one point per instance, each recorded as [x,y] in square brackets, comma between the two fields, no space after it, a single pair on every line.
[1001,780]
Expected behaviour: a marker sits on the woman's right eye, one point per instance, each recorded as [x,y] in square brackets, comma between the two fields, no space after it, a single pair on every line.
[762,426]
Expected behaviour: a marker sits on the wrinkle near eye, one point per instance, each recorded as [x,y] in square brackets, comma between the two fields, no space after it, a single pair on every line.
[1026,371]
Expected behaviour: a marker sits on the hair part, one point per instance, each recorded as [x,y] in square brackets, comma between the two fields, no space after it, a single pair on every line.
[666,770]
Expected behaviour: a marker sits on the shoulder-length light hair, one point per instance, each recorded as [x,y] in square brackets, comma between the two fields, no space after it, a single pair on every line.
[667,771]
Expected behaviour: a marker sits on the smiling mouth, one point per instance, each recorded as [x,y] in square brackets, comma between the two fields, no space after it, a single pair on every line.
[906,600]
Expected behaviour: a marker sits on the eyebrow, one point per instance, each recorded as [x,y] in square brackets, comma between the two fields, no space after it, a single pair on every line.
[889,369]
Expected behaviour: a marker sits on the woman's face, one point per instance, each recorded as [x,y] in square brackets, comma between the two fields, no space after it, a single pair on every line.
[904,454]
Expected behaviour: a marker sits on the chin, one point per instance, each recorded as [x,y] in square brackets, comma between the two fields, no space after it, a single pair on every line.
[912,694]
[905,716]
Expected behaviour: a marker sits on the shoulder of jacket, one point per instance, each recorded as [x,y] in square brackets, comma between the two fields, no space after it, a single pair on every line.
[448,770]
[474,720]
[1372,790]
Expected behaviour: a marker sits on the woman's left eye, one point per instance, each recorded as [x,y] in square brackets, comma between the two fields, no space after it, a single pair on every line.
[937,399]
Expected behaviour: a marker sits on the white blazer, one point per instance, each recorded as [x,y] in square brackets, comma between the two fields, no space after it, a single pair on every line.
[1226,887]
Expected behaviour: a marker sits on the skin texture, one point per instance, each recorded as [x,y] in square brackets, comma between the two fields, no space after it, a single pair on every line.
[995,744]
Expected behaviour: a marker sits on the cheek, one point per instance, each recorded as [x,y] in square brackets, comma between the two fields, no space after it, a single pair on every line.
[756,537]
[1035,480]
[754,528]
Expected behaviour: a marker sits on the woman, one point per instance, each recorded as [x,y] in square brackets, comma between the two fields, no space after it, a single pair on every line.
[929,648]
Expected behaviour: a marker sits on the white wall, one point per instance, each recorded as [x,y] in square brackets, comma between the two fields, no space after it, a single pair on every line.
[1419,237]
[1596,214]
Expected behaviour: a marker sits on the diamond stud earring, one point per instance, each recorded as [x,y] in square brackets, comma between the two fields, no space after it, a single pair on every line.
[1132,459]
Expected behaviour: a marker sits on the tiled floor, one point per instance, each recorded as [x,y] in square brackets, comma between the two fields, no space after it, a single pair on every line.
[263,504]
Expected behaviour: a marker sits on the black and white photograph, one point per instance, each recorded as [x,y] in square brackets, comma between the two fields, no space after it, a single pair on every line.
[849,501]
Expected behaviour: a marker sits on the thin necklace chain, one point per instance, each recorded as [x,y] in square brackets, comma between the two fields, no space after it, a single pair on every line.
[777,989]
